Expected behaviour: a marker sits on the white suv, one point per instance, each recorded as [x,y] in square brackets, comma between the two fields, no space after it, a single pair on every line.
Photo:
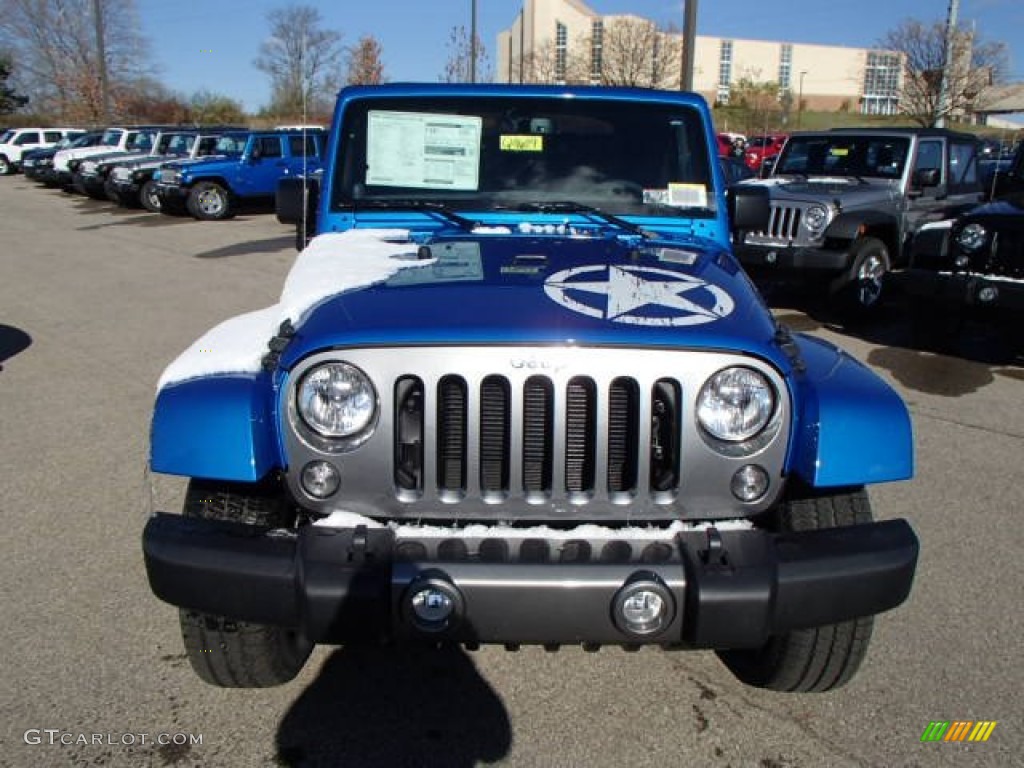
[16,141]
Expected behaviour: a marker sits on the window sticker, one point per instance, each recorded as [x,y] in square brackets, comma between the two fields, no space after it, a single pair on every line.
[687,195]
[518,143]
[454,263]
[423,151]
[839,151]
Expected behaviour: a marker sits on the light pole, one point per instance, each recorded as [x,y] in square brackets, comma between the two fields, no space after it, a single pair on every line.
[800,99]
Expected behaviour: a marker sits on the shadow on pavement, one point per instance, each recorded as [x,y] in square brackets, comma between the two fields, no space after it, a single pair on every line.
[256,246]
[12,341]
[394,707]
[971,361]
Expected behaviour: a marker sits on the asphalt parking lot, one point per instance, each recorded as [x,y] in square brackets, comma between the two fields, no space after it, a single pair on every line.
[95,301]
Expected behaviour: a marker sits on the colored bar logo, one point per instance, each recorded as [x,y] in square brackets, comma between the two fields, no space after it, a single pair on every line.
[959,730]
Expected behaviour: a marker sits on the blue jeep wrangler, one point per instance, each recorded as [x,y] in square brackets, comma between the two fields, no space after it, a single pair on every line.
[517,390]
[243,169]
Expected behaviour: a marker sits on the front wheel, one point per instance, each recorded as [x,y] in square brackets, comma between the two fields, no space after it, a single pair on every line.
[240,654]
[863,295]
[821,658]
[149,198]
[6,169]
[209,201]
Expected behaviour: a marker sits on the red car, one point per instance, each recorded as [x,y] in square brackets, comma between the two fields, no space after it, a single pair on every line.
[726,146]
[760,148]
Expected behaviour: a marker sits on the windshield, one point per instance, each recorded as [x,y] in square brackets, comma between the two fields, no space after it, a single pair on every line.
[111,138]
[6,136]
[483,152]
[176,144]
[864,156]
[230,145]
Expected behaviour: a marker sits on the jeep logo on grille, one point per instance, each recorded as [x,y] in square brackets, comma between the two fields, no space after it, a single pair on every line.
[638,295]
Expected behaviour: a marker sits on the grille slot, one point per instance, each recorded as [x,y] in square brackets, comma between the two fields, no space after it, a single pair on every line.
[579,436]
[494,434]
[538,408]
[1007,255]
[451,435]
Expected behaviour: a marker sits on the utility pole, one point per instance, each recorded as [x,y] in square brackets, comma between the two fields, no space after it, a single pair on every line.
[689,41]
[800,100]
[101,55]
[472,42]
[948,64]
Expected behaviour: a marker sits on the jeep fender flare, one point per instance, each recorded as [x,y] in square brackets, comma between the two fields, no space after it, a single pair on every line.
[218,427]
[853,224]
[850,427]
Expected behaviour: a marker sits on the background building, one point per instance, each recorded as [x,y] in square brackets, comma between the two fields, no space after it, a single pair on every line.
[564,41]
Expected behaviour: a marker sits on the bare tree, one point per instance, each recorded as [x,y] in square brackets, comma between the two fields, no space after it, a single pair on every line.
[210,108]
[303,60]
[636,52]
[10,100]
[755,105]
[976,65]
[364,62]
[56,45]
[541,65]
[457,69]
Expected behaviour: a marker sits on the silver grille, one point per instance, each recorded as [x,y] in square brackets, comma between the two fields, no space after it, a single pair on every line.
[783,226]
[533,433]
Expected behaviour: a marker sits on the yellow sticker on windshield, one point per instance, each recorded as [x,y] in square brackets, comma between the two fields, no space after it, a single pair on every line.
[521,143]
[839,151]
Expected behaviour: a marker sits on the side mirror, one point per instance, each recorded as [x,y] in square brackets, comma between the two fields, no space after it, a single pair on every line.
[926,177]
[749,208]
[295,202]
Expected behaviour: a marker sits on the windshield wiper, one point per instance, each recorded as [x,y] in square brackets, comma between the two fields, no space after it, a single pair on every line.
[438,209]
[567,206]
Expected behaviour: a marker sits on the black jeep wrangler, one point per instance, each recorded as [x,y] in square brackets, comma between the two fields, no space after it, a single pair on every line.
[969,268]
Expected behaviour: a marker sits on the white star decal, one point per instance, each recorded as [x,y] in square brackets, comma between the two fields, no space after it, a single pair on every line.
[628,291]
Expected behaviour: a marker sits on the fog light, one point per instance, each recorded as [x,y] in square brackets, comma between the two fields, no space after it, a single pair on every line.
[749,483]
[433,605]
[643,606]
[988,294]
[961,261]
[320,479]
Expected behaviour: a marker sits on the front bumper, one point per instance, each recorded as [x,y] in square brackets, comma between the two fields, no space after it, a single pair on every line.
[171,192]
[729,588]
[963,289]
[775,259]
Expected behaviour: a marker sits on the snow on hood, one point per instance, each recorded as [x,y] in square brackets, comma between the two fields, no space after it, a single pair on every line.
[332,264]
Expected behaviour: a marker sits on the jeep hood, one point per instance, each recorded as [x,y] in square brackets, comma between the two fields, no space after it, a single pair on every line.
[549,290]
[851,192]
[377,287]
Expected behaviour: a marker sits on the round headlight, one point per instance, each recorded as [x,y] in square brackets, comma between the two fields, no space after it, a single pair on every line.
[972,237]
[735,404]
[816,219]
[336,400]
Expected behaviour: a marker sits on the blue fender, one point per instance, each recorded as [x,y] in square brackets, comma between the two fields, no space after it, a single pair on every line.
[217,427]
[851,428]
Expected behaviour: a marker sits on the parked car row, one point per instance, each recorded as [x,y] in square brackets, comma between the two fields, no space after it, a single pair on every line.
[855,212]
[15,142]
[207,172]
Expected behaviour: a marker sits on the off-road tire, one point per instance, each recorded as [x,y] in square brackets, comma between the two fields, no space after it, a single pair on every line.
[239,654]
[148,197]
[861,297]
[209,201]
[822,658]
